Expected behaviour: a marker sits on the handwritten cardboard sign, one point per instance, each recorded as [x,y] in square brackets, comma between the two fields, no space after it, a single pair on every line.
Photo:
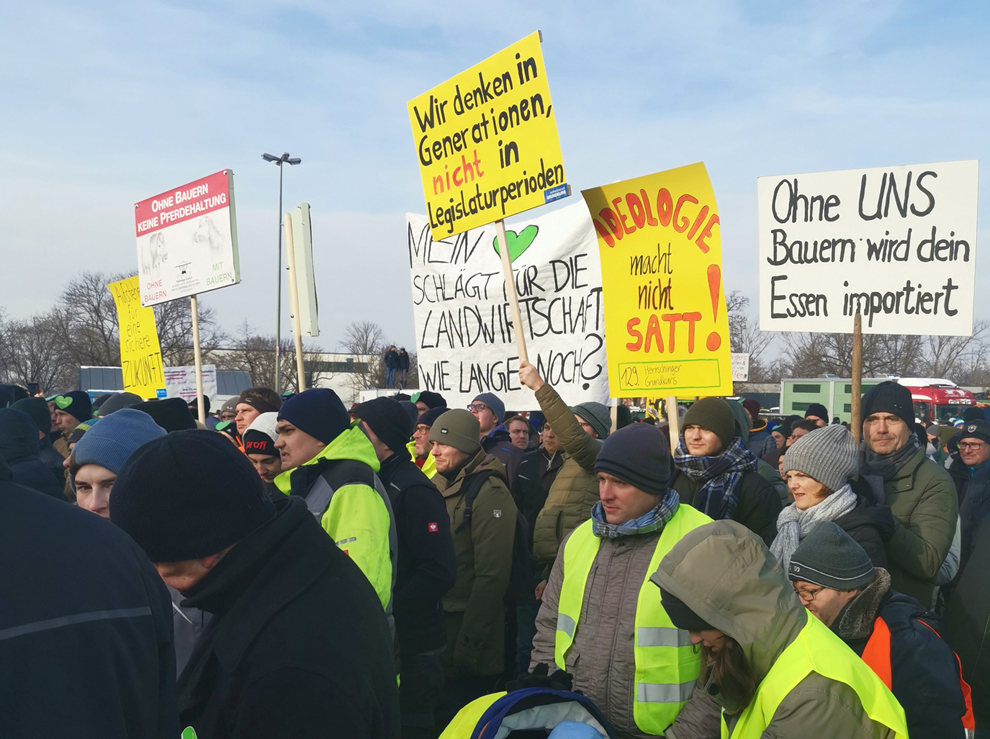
[896,244]
[666,329]
[486,141]
[464,332]
[140,350]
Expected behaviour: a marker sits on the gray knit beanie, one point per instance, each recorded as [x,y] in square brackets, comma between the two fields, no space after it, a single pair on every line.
[829,557]
[828,454]
[595,415]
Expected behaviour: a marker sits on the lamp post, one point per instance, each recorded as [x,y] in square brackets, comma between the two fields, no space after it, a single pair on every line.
[278,162]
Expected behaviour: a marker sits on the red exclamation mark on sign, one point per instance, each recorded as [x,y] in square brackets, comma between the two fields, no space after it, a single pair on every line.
[714,341]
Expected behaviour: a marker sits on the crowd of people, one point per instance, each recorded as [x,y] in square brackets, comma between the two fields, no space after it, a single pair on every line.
[298,568]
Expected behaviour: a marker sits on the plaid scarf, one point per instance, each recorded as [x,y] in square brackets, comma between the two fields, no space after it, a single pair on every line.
[721,475]
[648,523]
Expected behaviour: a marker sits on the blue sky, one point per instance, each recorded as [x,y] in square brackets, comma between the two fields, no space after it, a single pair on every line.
[107,104]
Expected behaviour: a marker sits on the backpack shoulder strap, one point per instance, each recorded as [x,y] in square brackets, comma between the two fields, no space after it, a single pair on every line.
[472,486]
[341,472]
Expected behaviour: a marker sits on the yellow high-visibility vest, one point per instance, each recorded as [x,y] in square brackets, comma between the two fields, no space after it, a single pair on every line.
[667,666]
[817,649]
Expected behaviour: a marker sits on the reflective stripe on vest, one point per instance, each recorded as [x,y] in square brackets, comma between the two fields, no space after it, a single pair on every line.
[667,666]
[817,649]
[877,656]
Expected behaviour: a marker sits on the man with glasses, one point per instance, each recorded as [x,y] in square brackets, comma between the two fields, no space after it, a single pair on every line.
[971,474]
[495,439]
[893,633]
[919,493]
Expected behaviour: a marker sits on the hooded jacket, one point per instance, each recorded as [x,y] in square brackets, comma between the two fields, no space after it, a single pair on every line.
[19,446]
[499,444]
[358,515]
[729,579]
[923,670]
[575,489]
[297,646]
[87,626]
[474,606]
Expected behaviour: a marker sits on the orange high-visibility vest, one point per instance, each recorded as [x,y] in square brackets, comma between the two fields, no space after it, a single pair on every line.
[877,656]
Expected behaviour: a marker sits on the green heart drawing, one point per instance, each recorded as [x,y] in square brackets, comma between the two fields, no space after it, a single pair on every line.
[189,733]
[62,402]
[518,243]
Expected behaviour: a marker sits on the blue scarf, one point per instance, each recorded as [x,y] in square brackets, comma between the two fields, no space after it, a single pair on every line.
[653,520]
[721,475]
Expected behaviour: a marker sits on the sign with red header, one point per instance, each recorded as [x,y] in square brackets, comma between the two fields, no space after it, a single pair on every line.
[187,240]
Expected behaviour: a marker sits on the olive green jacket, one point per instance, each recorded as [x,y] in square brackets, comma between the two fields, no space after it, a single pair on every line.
[474,606]
[575,490]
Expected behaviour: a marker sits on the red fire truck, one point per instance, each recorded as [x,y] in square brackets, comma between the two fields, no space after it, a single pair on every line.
[936,400]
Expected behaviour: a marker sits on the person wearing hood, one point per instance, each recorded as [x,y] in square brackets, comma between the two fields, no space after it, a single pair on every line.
[72,409]
[601,618]
[20,448]
[581,431]
[818,468]
[894,634]
[919,493]
[86,624]
[768,472]
[259,446]
[482,518]
[760,440]
[495,440]
[718,474]
[775,670]
[37,408]
[329,462]
[298,644]
[427,565]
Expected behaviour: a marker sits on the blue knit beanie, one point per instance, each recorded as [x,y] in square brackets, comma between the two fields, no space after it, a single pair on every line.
[492,401]
[111,442]
[318,412]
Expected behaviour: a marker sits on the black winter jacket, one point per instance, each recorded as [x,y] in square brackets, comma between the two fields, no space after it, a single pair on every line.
[50,457]
[534,477]
[298,645]
[86,624]
[759,503]
[974,505]
[499,445]
[19,447]
[427,566]
[871,527]
[968,617]
[924,671]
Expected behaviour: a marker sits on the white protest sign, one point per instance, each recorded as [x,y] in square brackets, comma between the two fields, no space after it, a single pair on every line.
[740,367]
[896,244]
[464,333]
[187,240]
[180,382]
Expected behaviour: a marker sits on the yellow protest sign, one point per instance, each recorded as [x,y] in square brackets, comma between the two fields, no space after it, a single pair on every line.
[140,352]
[487,142]
[666,330]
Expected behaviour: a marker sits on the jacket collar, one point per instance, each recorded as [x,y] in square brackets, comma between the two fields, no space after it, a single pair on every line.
[855,620]
[271,568]
[350,444]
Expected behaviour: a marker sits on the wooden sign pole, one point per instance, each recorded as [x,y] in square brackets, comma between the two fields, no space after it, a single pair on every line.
[197,360]
[674,423]
[855,421]
[290,257]
[510,289]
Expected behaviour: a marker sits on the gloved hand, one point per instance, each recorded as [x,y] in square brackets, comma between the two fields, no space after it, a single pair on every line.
[539,678]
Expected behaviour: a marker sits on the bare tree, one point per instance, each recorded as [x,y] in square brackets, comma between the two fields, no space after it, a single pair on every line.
[33,350]
[745,337]
[954,357]
[255,354]
[366,338]
[174,322]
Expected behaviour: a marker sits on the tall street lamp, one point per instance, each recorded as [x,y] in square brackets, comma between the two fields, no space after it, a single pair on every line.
[278,162]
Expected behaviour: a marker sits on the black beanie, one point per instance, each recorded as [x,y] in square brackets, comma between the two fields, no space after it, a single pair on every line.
[829,557]
[889,397]
[388,420]
[37,408]
[77,404]
[818,411]
[318,412]
[172,414]
[430,399]
[638,454]
[973,413]
[680,614]
[411,410]
[188,495]
[428,418]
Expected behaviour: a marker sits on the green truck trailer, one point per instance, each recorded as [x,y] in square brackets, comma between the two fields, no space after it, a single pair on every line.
[834,393]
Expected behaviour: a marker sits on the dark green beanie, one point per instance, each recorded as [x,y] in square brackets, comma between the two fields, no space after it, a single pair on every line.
[715,415]
[457,428]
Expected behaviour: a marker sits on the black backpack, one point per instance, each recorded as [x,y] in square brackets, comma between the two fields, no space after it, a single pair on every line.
[522,580]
